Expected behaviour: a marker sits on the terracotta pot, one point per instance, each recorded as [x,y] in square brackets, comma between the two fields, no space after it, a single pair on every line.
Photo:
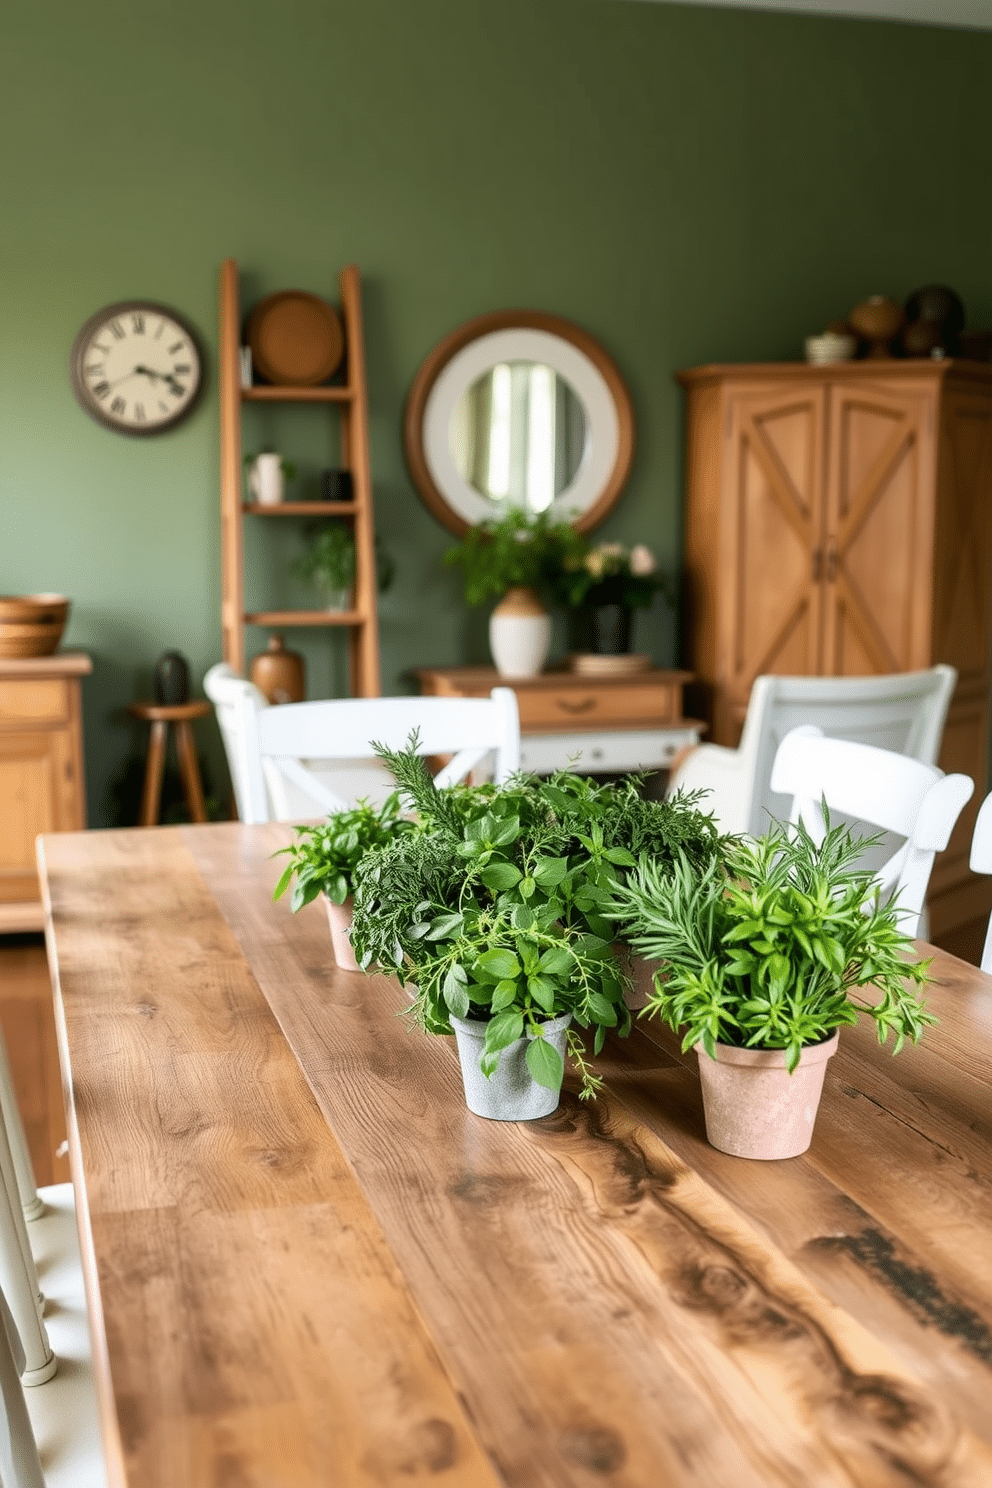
[339,919]
[754,1107]
[519,634]
[279,673]
[511,1093]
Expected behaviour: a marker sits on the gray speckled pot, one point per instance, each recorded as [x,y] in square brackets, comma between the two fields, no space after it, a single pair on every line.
[512,1094]
[754,1107]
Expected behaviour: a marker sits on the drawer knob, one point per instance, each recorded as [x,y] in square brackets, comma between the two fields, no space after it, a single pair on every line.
[582,706]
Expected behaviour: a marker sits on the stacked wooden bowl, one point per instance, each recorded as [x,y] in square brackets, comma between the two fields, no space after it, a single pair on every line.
[31,624]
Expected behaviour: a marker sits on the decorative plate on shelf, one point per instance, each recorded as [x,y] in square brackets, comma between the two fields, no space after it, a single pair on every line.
[296,338]
[594,664]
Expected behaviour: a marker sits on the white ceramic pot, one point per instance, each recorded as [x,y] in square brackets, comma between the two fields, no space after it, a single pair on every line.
[265,479]
[339,919]
[754,1107]
[519,634]
[511,1093]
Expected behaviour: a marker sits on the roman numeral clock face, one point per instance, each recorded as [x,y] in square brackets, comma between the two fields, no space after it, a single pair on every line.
[136,368]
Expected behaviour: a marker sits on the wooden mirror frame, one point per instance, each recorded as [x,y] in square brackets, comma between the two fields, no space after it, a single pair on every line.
[484,325]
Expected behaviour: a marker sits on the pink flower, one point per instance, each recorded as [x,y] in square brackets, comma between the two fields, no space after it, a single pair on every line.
[642,560]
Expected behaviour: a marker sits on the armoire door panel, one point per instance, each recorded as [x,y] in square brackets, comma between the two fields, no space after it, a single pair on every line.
[962,620]
[879,538]
[771,501]
[29,804]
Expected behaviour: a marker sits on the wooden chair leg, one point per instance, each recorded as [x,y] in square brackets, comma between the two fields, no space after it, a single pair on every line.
[189,770]
[151,795]
[20,1465]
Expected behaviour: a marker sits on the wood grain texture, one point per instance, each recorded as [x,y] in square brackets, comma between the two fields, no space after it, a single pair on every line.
[602,1301]
[323,1269]
[257,1330]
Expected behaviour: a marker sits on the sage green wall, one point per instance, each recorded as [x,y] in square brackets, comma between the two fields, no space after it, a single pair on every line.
[689,184]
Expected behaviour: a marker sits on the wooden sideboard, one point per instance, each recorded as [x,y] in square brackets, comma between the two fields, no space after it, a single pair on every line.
[42,785]
[839,523]
[599,724]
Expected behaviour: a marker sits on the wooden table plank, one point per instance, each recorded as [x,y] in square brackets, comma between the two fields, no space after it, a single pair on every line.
[257,1328]
[600,1302]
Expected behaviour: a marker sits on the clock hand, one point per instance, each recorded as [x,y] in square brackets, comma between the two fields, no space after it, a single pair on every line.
[163,376]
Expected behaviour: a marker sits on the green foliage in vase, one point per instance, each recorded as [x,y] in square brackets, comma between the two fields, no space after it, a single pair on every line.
[521,549]
[329,560]
[611,574]
[775,944]
[324,858]
[494,907]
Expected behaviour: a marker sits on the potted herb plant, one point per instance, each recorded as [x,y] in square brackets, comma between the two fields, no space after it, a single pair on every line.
[493,910]
[763,956]
[323,860]
[600,589]
[329,562]
[513,559]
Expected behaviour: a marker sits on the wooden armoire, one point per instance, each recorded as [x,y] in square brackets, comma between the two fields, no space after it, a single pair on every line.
[839,523]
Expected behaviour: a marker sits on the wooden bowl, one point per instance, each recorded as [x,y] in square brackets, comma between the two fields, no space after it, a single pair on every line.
[878,321]
[32,624]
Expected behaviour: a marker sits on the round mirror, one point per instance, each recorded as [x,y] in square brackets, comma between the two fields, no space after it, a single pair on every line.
[519,407]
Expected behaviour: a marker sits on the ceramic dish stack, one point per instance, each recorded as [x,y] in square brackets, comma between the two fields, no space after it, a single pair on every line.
[830,347]
[594,664]
[31,624]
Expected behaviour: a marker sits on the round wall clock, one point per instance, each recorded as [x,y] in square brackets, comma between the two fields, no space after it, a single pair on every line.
[135,367]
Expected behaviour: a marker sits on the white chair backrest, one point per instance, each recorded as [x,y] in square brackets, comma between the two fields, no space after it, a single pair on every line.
[981,862]
[226,689]
[278,741]
[904,713]
[881,789]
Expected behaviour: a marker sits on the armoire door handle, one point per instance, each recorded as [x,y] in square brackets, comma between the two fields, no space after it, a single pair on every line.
[831,561]
[817,565]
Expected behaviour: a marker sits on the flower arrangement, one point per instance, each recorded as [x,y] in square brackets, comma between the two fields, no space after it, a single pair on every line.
[611,574]
[521,549]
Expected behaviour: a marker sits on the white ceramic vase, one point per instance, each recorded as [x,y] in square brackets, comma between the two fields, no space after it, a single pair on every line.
[265,479]
[519,634]
[339,919]
[754,1107]
[511,1093]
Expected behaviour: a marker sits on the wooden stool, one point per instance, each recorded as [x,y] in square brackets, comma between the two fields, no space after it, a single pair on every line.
[160,715]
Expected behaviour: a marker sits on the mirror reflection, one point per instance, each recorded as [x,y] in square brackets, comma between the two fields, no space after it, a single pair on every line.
[519,434]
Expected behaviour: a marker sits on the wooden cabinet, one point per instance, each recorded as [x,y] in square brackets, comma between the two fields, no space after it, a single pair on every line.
[599,724]
[42,788]
[839,523]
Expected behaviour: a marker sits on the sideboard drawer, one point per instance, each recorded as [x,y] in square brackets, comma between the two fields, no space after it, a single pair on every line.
[35,700]
[596,706]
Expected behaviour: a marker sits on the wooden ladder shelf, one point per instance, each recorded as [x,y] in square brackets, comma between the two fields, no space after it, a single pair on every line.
[362,620]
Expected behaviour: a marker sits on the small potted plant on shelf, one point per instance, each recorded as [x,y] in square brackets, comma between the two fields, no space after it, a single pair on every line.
[323,860]
[329,562]
[513,559]
[762,957]
[493,910]
[600,589]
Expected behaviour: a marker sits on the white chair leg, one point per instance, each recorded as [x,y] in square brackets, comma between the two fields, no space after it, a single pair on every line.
[8,1178]
[30,1202]
[19,1280]
[20,1466]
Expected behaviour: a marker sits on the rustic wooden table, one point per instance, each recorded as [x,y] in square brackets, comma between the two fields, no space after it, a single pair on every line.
[308,1264]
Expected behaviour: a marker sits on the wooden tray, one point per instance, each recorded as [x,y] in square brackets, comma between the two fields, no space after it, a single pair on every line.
[296,338]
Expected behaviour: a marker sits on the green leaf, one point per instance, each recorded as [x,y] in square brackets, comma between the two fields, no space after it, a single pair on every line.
[503,1030]
[527,888]
[284,882]
[550,871]
[445,927]
[601,1009]
[454,991]
[543,990]
[504,995]
[556,962]
[499,965]
[501,876]
[522,917]
[545,1063]
[621,857]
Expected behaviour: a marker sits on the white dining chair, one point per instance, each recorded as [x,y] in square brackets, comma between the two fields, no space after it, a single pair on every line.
[881,790]
[904,712]
[981,862]
[279,743]
[46,1325]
